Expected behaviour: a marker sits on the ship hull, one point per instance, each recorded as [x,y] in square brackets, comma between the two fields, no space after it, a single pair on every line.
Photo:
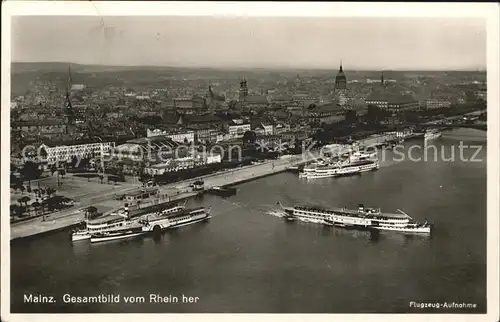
[189,223]
[98,239]
[339,173]
[162,224]
[79,236]
[418,230]
[360,219]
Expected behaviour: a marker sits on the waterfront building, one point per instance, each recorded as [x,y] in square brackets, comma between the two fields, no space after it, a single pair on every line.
[238,127]
[147,149]
[204,133]
[52,152]
[433,103]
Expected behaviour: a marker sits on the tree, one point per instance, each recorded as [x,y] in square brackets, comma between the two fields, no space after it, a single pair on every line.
[50,191]
[351,117]
[249,137]
[90,212]
[20,211]
[24,200]
[22,188]
[74,161]
[36,205]
[374,114]
[112,179]
[31,171]
[53,169]
[311,106]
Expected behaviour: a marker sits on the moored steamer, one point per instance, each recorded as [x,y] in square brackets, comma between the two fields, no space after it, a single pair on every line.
[125,216]
[130,231]
[160,221]
[343,169]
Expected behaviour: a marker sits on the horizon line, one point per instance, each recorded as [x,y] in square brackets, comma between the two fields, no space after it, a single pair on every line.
[471,69]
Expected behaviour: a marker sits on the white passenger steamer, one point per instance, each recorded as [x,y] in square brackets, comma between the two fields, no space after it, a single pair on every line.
[159,221]
[137,204]
[362,218]
[350,163]
[134,229]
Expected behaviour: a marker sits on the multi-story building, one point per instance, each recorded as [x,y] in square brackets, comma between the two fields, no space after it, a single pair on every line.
[40,127]
[433,103]
[149,149]
[52,153]
[177,136]
[238,127]
[205,134]
[392,102]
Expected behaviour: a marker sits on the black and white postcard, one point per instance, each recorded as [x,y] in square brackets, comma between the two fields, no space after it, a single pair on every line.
[250,157]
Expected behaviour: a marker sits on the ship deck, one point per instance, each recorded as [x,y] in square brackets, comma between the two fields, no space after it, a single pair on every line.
[123,228]
[182,212]
[113,216]
[351,212]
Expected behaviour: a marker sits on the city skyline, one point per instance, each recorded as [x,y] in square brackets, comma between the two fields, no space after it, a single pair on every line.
[253,42]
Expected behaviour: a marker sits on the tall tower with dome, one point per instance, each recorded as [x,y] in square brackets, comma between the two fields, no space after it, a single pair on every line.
[340,88]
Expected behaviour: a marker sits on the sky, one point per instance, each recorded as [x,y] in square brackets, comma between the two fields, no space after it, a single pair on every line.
[253,42]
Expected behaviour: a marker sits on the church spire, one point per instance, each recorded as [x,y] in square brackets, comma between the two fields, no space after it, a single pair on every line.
[340,69]
[382,79]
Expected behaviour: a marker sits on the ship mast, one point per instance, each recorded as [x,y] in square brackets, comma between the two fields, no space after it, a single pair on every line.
[404,213]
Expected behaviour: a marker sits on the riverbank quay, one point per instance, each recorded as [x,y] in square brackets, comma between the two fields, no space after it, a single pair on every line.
[178,190]
[38,227]
[71,217]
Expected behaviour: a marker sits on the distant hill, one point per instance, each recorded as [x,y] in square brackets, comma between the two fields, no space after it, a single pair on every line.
[22,67]
[24,74]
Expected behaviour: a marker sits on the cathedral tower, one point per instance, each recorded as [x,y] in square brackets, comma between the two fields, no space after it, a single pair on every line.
[340,89]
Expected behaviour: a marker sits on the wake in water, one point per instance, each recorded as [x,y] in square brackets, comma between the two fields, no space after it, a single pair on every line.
[275,212]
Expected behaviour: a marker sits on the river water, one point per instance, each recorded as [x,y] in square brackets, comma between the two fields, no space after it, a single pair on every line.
[246,260]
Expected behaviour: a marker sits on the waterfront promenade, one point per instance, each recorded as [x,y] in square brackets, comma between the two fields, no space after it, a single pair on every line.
[175,191]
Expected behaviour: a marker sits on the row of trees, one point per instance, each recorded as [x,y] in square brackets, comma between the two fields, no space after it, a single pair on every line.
[23,207]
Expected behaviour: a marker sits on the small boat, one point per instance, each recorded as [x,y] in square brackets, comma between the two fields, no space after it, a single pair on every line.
[432,135]
[198,185]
